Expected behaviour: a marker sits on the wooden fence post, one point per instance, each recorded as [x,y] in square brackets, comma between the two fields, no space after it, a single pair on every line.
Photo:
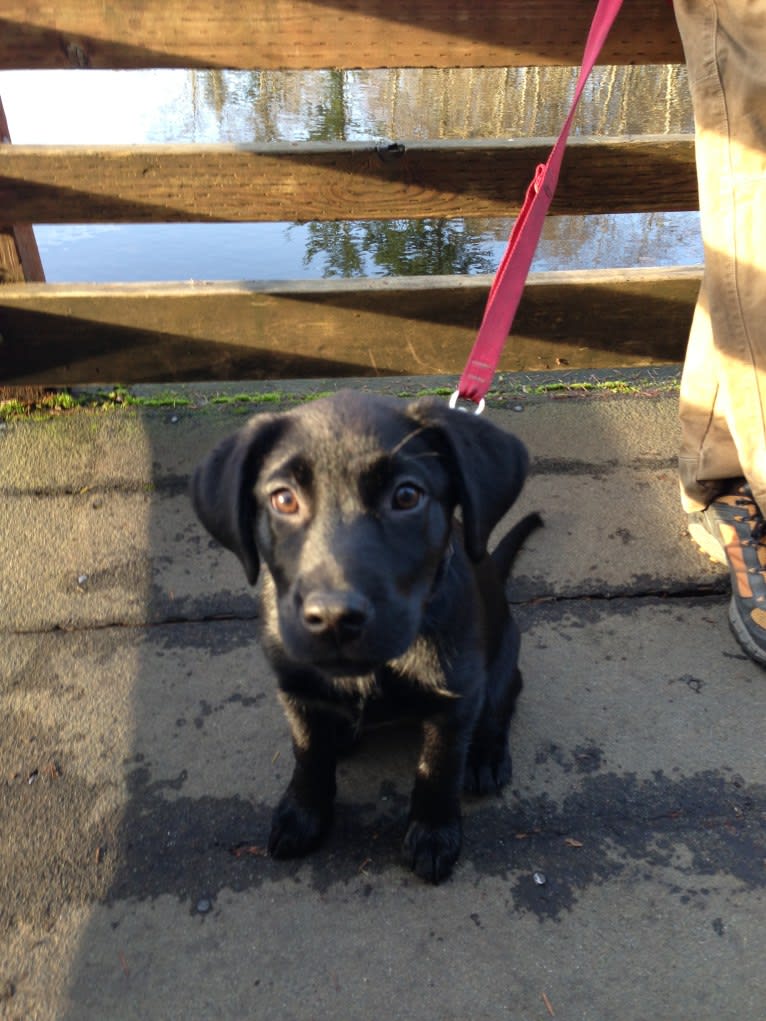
[19,255]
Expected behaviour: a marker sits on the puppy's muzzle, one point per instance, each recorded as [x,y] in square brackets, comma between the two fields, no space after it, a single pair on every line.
[342,616]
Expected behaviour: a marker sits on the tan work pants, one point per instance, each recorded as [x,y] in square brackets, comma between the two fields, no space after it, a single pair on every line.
[723,387]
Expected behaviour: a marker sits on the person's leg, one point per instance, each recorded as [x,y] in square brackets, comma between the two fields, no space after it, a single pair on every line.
[723,393]
[708,456]
[722,460]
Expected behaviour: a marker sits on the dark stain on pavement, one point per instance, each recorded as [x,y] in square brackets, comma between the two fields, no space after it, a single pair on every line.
[689,833]
[694,834]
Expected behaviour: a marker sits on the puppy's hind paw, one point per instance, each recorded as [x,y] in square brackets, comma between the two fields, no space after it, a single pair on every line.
[432,850]
[296,830]
[487,774]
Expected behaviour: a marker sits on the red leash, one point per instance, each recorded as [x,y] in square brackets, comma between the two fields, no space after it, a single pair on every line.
[505,293]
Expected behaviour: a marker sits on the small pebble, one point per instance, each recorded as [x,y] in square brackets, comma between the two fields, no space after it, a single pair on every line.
[203,906]
[518,407]
[174,419]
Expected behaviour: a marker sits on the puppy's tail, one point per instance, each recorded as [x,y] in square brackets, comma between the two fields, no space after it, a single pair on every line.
[505,552]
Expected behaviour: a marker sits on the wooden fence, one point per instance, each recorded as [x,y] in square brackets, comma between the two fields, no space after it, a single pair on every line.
[60,334]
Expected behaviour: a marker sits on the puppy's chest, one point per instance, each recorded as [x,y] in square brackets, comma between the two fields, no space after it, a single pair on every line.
[393,695]
[388,693]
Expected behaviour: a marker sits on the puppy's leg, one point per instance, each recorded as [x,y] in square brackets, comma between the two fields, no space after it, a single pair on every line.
[489,764]
[305,810]
[434,833]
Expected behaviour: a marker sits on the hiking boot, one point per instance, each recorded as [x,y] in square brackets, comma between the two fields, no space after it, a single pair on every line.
[732,531]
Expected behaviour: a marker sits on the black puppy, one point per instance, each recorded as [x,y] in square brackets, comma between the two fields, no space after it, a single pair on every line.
[377,601]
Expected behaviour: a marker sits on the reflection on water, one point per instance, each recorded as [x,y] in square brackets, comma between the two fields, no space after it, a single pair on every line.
[404,104]
[414,103]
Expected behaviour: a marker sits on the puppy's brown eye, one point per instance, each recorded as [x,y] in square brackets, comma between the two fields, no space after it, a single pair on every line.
[407,496]
[284,501]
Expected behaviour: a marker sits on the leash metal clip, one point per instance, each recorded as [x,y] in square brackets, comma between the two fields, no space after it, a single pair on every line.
[453,404]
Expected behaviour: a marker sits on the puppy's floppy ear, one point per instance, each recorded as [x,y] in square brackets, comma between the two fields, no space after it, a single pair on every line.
[222,488]
[489,467]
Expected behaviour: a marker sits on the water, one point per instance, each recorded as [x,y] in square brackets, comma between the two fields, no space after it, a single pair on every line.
[128,107]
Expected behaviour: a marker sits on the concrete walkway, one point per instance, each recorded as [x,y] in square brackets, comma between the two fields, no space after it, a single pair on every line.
[621,876]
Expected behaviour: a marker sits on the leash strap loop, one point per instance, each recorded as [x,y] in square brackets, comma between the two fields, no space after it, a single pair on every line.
[508,284]
[453,403]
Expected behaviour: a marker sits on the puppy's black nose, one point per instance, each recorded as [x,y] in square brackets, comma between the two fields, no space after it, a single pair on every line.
[344,614]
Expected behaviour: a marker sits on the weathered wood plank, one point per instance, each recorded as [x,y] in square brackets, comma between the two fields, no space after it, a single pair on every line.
[60,334]
[324,33]
[19,255]
[339,181]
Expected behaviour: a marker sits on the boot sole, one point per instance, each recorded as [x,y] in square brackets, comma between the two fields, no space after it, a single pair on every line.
[743,636]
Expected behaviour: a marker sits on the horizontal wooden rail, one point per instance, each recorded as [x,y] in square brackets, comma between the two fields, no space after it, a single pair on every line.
[324,33]
[59,334]
[340,181]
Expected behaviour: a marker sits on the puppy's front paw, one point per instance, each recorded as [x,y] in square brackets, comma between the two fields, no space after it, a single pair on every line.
[432,850]
[487,772]
[296,829]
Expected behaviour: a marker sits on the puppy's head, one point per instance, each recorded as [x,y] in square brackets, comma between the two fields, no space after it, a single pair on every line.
[349,503]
